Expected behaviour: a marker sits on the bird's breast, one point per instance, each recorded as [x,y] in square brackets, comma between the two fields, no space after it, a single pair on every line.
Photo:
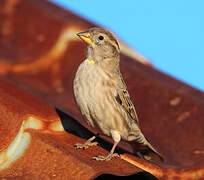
[90,76]
[93,91]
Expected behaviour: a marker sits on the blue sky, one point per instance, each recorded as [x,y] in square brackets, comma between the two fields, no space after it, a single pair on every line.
[169,33]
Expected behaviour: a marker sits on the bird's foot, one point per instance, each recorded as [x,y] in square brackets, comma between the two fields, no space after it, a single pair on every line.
[106,158]
[85,145]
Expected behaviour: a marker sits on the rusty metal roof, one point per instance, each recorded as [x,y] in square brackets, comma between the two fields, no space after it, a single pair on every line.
[39,54]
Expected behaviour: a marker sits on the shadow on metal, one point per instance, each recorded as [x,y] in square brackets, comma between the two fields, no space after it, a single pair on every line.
[74,127]
[141,175]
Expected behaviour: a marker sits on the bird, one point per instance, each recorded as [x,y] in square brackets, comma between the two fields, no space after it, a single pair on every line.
[103,99]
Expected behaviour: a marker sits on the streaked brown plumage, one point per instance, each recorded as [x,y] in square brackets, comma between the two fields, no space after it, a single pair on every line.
[102,95]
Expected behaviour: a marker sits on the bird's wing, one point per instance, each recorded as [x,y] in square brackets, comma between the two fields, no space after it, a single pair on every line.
[123,98]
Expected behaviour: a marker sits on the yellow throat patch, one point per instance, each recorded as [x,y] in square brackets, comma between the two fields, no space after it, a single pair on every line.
[90,61]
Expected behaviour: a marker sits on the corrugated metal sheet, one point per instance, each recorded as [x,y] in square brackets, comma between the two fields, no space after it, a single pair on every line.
[39,52]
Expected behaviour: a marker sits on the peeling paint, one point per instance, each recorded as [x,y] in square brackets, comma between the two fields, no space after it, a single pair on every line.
[175,101]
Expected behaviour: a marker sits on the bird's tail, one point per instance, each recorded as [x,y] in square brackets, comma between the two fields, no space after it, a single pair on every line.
[146,151]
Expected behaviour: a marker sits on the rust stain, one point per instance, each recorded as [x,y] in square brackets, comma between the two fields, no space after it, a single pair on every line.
[199,152]
[183,116]
[175,101]
[186,115]
[8,10]
[40,38]
[48,59]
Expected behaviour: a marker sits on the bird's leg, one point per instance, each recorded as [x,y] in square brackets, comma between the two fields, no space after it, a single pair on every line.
[116,137]
[109,156]
[86,144]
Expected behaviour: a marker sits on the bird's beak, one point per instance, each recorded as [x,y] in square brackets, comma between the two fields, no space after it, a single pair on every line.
[85,36]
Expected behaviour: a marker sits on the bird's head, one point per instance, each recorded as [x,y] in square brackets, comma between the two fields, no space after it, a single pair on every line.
[101,43]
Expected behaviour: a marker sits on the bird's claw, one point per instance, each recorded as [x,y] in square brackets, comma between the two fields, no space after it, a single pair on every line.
[106,158]
[85,145]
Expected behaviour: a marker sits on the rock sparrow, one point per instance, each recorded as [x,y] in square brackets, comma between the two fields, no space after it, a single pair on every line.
[103,98]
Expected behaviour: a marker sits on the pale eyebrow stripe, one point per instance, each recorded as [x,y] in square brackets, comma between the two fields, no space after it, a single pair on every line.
[113,42]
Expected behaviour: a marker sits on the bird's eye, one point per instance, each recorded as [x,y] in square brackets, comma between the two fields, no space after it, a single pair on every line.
[101,38]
